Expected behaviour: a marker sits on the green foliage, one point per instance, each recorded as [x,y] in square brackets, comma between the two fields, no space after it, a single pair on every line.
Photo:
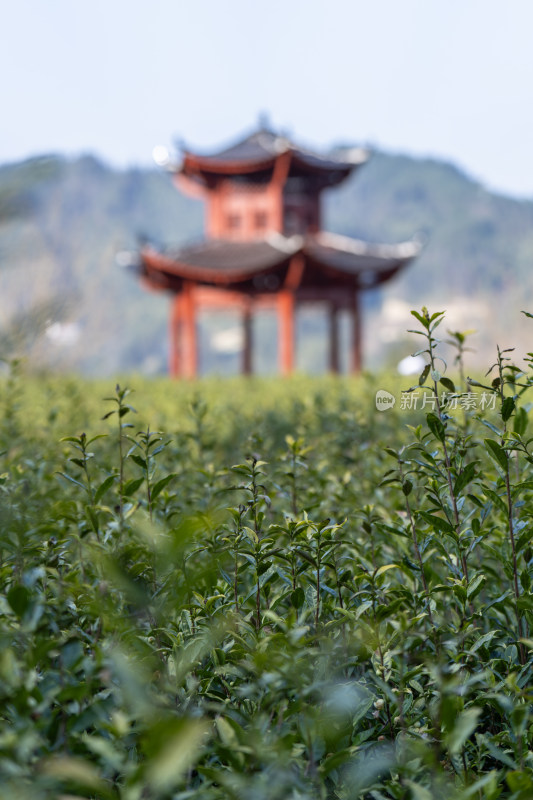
[278,593]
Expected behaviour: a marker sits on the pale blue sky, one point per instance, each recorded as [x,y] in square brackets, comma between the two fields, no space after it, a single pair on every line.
[448,78]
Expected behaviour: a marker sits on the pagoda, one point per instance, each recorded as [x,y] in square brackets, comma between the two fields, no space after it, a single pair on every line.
[265,248]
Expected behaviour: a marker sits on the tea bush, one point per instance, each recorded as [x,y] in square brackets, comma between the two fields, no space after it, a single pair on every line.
[267,589]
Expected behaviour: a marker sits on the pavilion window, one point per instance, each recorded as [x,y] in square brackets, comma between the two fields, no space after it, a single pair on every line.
[291,222]
[261,220]
[234,222]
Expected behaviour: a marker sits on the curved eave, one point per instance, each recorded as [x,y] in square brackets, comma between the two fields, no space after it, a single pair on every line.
[369,265]
[357,276]
[205,168]
[199,166]
[330,259]
[156,266]
[310,162]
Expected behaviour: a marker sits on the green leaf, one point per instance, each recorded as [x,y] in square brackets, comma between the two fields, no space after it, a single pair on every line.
[524,539]
[102,489]
[497,453]
[508,407]
[475,500]
[251,534]
[130,487]
[384,568]
[419,792]
[139,460]
[335,760]
[297,597]
[104,749]
[525,603]
[72,480]
[491,427]
[436,427]
[407,487]
[439,523]
[74,769]
[175,748]
[448,384]
[520,781]
[520,421]
[475,585]
[71,653]
[496,752]
[162,484]
[18,598]
[423,375]
[464,478]
[483,640]
[423,320]
[305,556]
[93,519]
[227,732]
[464,727]
[473,791]
[496,499]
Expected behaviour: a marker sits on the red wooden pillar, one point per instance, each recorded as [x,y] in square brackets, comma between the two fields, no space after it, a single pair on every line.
[275,189]
[286,331]
[357,334]
[334,364]
[174,354]
[247,340]
[189,348]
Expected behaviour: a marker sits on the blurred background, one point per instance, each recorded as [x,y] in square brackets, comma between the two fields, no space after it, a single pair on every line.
[440,92]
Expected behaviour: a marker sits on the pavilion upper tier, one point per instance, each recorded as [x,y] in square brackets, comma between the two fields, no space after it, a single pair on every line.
[264,183]
[254,158]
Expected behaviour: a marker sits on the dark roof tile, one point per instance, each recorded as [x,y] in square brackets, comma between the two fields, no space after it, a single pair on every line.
[221,261]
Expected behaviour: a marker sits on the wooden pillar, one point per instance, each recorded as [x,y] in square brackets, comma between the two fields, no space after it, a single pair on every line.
[357,334]
[286,331]
[189,348]
[247,340]
[174,360]
[334,364]
[275,189]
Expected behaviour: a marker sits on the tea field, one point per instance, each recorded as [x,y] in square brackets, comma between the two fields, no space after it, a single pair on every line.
[268,589]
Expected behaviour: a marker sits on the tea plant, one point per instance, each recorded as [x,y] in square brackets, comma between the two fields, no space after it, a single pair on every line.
[301,599]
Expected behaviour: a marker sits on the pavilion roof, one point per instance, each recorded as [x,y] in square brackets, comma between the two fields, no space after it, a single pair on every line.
[330,260]
[259,152]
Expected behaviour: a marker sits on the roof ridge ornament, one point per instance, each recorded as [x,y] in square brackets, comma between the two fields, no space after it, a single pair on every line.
[282,144]
[353,155]
[285,244]
[358,247]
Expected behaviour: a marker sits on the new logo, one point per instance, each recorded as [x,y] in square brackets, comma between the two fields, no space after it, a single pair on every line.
[384,400]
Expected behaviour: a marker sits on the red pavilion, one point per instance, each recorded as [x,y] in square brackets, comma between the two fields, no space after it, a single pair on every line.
[265,248]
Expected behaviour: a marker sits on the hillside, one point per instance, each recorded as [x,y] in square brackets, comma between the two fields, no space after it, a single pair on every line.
[63,221]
